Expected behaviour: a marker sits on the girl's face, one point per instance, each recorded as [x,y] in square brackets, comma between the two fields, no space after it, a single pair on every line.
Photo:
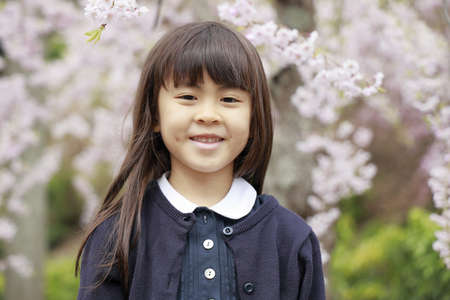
[188,113]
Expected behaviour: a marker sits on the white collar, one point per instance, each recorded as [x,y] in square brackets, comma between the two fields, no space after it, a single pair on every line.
[237,203]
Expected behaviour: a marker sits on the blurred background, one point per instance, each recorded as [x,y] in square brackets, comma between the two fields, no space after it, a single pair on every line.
[364,158]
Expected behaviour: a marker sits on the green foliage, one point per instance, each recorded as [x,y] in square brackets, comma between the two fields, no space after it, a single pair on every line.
[388,261]
[54,47]
[2,248]
[354,207]
[61,283]
[65,207]
[2,286]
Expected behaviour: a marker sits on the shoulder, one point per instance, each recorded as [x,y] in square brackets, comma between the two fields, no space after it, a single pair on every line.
[291,226]
[102,235]
[293,230]
[107,225]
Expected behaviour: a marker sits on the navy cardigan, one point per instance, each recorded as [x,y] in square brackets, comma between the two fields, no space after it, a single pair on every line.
[276,254]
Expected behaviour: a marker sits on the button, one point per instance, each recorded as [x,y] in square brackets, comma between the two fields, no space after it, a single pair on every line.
[210,273]
[249,287]
[228,230]
[208,244]
[205,219]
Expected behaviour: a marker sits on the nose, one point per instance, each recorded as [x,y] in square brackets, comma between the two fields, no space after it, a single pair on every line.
[207,114]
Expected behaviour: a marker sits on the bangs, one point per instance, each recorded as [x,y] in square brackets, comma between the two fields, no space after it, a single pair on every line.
[211,48]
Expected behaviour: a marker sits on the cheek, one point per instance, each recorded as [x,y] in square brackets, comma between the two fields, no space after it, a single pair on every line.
[245,122]
[241,130]
[172,129]
[172,122]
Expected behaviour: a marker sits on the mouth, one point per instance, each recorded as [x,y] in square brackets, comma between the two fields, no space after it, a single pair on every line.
[207,143]
[206,140]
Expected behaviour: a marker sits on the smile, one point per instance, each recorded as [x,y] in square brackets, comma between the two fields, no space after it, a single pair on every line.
[207,143]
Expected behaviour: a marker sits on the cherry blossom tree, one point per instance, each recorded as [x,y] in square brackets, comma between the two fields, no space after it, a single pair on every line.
[81,96]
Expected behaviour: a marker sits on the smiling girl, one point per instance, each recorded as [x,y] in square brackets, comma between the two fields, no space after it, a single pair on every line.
[185,218]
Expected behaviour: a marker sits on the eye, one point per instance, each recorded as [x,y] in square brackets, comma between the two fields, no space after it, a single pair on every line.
[187,97]
[230,100]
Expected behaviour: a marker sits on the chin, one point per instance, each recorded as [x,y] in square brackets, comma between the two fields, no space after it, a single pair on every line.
[207,170]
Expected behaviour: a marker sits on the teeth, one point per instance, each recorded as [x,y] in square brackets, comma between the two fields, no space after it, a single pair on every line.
[206,140]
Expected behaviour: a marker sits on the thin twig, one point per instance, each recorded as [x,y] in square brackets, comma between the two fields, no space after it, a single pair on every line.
[158,12]
[447,18]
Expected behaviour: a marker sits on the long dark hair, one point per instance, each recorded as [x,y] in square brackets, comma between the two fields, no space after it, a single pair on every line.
[182,54]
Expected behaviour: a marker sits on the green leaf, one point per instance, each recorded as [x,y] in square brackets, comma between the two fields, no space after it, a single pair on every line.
[94,35]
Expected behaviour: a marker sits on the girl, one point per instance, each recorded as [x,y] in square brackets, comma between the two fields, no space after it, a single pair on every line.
[185,217]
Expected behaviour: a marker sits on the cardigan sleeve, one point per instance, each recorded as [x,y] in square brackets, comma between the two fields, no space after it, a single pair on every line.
[96,247]
[312,285]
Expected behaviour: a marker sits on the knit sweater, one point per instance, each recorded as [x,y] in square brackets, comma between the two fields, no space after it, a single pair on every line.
[276,254]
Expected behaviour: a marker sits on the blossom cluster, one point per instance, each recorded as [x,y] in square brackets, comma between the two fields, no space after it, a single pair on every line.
[342,169]
[314,100]
[439,183]
[106,11]
[282,46]
[242,12]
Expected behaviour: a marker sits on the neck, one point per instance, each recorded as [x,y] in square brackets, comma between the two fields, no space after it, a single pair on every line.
[203,189]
